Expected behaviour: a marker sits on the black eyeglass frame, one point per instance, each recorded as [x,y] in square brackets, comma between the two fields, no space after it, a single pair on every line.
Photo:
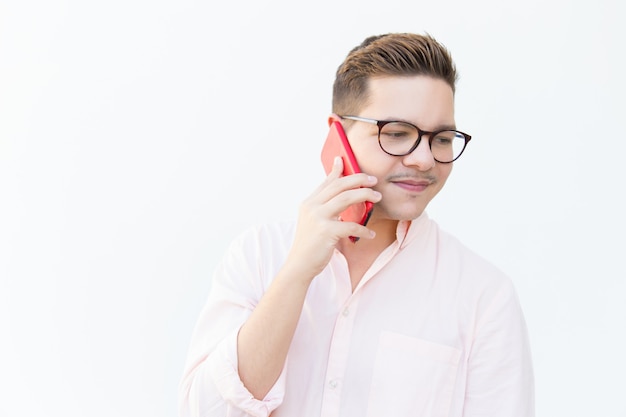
[420,133]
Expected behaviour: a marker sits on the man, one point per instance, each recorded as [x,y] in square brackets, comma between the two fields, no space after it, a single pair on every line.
[302,321]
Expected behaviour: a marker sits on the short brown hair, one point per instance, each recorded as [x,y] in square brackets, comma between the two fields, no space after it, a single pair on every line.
[392,54]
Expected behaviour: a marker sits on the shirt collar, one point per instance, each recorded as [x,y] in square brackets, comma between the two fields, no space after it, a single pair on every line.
[408,230]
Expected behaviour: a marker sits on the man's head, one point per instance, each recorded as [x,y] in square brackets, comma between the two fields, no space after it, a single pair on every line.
[404,78]
[395,54]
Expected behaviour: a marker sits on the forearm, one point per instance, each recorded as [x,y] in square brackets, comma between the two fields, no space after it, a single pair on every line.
[211,387]
[263,341]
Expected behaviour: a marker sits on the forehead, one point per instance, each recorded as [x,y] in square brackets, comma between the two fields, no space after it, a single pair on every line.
[423,100]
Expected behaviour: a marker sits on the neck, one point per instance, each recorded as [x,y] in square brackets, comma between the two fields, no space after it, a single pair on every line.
[361,254]
[385,234]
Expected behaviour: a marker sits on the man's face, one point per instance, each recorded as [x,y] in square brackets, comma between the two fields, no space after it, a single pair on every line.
[407,183]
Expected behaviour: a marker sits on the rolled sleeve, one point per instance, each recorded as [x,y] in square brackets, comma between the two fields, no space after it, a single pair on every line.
[211,385]
[223,370]
[217,390]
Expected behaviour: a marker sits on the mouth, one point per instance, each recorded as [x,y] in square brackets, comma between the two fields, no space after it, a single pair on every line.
[413,185]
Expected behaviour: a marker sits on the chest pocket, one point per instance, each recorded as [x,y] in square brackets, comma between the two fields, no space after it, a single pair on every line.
[412,377]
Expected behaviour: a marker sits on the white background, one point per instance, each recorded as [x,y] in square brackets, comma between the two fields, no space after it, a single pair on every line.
[137,138]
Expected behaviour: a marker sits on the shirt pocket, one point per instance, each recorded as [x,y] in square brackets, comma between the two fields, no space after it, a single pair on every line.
[412,377]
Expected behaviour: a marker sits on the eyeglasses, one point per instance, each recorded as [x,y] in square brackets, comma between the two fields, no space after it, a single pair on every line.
[401,138]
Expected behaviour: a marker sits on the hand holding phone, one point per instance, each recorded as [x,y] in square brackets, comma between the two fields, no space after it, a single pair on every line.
[337,145]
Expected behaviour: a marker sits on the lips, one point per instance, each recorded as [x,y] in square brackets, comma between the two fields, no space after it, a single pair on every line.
[412,185]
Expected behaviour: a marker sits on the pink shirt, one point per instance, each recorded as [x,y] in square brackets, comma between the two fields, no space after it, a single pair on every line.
[431,330]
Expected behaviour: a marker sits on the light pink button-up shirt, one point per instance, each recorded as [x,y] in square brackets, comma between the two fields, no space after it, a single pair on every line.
[432,330]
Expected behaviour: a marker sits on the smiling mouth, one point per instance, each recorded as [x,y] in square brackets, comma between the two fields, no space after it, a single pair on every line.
[416,186]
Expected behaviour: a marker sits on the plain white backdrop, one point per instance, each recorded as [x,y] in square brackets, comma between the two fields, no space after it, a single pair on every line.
[137,138]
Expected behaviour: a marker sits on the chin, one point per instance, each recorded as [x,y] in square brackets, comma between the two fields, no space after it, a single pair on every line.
[409,213]
[413,216]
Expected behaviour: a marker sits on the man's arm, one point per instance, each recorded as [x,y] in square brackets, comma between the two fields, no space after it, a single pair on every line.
[239,347]
[265,338]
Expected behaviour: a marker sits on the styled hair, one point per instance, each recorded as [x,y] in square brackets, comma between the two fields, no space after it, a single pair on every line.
[392,54]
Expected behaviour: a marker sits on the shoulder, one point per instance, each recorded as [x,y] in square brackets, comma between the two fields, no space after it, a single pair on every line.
[263,244]
[480,286]
[465,263]
[266,235]
[254,255]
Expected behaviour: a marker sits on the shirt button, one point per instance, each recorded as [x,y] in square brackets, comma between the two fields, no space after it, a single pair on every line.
[345,312]
[333,384]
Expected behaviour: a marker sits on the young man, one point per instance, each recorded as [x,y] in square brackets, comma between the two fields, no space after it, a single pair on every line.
[301,321]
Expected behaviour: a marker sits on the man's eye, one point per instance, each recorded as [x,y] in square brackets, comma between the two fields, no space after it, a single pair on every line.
[398,131]
[396,134]
[444,138]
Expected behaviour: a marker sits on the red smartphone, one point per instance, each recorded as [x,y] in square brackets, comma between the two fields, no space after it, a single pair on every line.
[337,145]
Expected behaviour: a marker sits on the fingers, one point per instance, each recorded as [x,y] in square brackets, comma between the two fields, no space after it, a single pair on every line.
[335,172]
[352,229]
[335,184]
[319,228]
[343,200]
[337,167]
[338,192]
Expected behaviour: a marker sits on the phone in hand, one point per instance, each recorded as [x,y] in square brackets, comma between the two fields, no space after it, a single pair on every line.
[337,145]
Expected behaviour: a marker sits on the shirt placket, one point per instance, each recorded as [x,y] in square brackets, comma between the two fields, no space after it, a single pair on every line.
[338,358]
[342,337]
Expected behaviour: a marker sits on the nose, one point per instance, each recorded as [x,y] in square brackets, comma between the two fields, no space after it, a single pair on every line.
[421,157]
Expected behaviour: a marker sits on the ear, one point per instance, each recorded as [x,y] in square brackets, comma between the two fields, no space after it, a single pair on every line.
[333,118]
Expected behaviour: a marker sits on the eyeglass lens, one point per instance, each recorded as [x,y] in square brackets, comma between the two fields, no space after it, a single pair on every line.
[398,138]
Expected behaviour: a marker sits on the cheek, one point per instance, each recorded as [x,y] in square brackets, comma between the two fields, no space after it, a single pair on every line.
[372,160]
[446,170]
[377,168]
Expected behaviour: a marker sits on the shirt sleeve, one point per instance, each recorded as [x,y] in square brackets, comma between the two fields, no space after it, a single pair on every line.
[211,386]
[500,380]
